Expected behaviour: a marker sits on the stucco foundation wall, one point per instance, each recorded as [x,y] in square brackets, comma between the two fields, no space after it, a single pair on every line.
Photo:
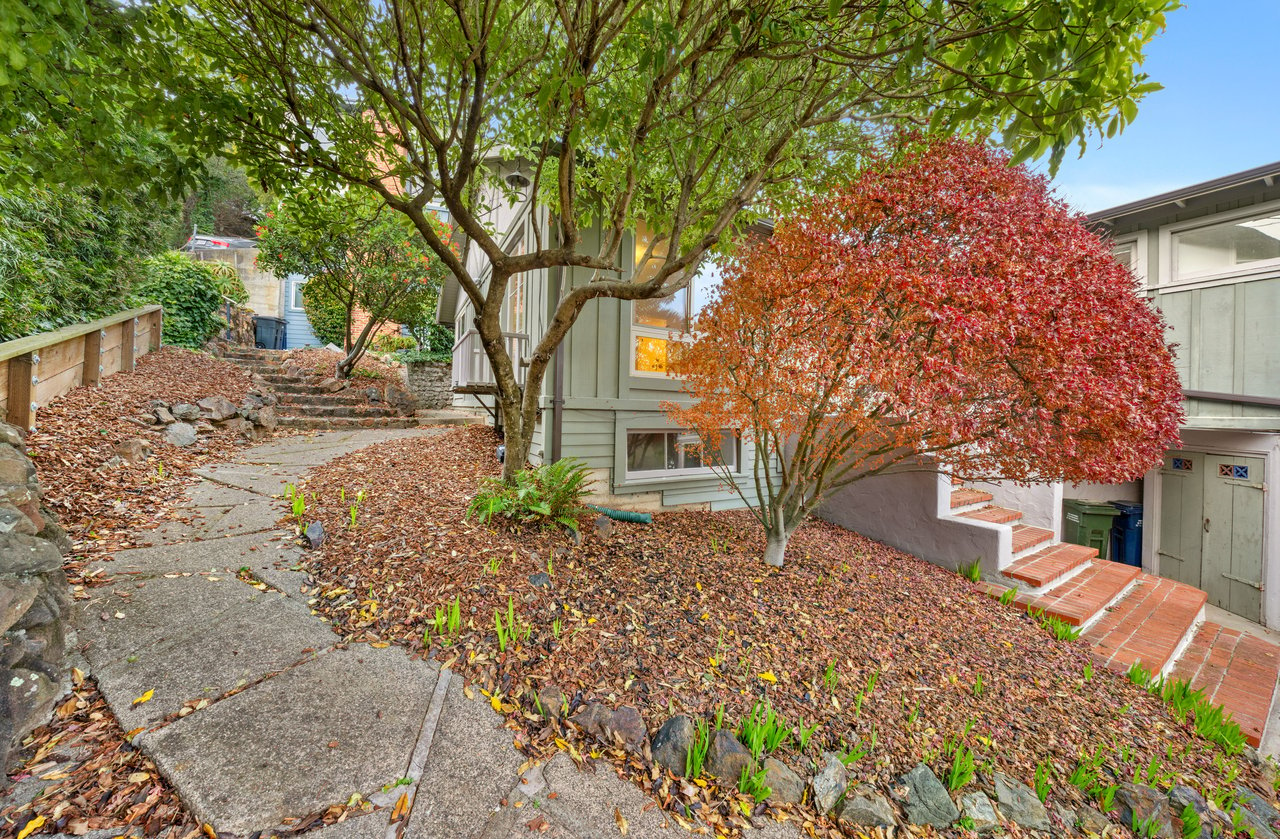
[1040,504]
[1128,491]
[903,511]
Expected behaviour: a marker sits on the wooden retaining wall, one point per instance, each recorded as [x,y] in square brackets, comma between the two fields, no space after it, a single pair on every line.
[36,369]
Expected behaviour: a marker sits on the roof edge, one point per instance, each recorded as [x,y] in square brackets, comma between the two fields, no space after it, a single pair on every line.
[1264,172]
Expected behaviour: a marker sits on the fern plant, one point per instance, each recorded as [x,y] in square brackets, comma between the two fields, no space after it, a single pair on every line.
[548,494]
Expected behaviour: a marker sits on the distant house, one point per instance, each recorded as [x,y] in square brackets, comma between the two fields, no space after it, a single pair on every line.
[1209,255]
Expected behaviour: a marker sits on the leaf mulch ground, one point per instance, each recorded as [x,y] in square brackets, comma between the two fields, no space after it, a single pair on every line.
[682,616]
[97,780]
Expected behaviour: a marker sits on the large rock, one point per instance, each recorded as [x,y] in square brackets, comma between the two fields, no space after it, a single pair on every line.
[1181,797]
[1091,821]
[180,434]
[265,418]
[185,411]
[1019,804]
[830,782]
[552,700]
[866,808]
[623,727]
[1257,804]
[133,451]
[164,417]
[14,520]
[671,743]
[217,408]
[785,786]
[977,808]
[23,554]
[1143,805]
[925,799]
[10,435]
[15,468]
[727,757]
[31,695]
[16,597]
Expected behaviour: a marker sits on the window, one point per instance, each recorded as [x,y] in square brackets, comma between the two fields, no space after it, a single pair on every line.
[666,453]
[1232,247]
[514,306]
[295,294]
[1131,252]
[658,323]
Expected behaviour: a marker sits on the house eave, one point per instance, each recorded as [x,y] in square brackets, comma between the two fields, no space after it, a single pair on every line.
[1268,174]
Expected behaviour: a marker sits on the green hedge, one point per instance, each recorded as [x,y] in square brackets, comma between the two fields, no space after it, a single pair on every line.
[191,294]
[327,316]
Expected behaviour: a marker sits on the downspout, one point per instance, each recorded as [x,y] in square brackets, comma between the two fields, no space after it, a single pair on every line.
[557,397]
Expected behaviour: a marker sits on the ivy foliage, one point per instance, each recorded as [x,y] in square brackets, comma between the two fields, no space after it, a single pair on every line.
[326,314]
[190,292]
[71,255]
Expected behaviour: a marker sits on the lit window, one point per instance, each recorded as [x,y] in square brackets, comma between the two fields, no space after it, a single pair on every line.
[659,453]
[1226,248]
[658,323]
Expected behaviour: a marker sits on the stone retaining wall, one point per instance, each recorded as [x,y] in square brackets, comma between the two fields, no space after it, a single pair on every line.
[430,382]
[34,600]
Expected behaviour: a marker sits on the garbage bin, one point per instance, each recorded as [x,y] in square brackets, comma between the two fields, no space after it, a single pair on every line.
[1126,534]
[268,332]
[1088,523]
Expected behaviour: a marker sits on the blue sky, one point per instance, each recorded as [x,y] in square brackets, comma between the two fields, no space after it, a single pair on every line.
[1220,65]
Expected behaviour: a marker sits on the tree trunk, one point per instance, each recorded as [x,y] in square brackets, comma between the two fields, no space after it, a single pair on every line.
[346,330]
[354,351]
[775,547]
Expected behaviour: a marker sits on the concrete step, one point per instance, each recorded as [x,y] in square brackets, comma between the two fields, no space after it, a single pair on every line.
[1085,595]
[1234,670]
[1150,625]
[444,416]
[993,514]
[1048,565]
[333,423]
[356,410]
[307,400]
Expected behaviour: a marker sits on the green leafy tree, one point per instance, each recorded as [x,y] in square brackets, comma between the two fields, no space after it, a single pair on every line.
[356,251]
[682,115]
[224,203]
[329,318]
[189,291]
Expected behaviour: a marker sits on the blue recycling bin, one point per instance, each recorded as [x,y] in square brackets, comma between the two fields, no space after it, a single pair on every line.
[1126,534]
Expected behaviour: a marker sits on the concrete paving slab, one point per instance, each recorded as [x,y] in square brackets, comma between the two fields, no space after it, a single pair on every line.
[284,580]
[471,767]
[585,802]
[232,552]
[132,615]
[370,826]
[241,645]
[264,479]
[297,742]
[210,494]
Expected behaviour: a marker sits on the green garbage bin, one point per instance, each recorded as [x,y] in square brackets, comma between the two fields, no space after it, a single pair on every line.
[1088,523]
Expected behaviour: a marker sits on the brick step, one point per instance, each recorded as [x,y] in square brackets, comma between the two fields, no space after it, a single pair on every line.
[321,423]
[1049,564]
[1148,625]
[1080,599]
[966,496]
[1234,670]
[993,514]
[1026,537]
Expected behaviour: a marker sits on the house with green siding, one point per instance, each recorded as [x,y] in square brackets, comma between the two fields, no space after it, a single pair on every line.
[1209,256]
[602,397]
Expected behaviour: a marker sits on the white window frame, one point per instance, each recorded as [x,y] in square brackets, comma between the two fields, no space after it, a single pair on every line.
[1138,240]
[697,471]
[1168,270]
[296,285]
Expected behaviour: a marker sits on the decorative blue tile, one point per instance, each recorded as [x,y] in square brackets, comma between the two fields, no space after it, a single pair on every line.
[1181,464]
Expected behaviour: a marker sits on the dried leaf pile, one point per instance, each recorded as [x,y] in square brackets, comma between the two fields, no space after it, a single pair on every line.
[681,616]
[75,435]
[97,780]
[320,362]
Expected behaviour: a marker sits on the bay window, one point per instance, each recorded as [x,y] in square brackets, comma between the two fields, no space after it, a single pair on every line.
[659,324]
[1226,248]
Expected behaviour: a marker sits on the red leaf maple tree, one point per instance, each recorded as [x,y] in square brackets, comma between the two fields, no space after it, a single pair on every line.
[943,310]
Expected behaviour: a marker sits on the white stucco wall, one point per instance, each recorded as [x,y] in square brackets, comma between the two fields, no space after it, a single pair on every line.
[1127,491]
[907,511]
[1040,504]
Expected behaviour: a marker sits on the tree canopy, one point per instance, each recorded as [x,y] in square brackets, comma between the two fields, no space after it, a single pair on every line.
[941,304]
[681,115]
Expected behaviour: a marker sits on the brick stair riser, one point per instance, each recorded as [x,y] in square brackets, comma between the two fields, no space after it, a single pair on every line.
[968,508]
[1109,605]
[1026,588]
[1034,547]
[1181,649]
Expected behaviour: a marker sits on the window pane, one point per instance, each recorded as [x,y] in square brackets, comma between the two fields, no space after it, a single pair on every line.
[296,302]
[663,313]
[646,452]
[1225,247]
[704,286]
[651,354]
[728,450]
[1124,254]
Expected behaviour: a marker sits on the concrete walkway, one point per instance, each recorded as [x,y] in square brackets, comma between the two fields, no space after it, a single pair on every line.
[278,722]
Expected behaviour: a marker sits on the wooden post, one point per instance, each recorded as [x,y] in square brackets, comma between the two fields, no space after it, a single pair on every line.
[128,335]
[157,332]
[22,382]
[93,356]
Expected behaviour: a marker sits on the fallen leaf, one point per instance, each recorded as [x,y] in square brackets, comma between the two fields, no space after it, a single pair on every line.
[620,820]
[139,777]
[538,825]
[31,827]
[146,697]
[769,677]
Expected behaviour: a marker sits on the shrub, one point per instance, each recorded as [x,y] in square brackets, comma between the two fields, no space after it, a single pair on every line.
[188,291]
[326,314]
[550,493]
[393,343]
[228,280]
[406,356]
